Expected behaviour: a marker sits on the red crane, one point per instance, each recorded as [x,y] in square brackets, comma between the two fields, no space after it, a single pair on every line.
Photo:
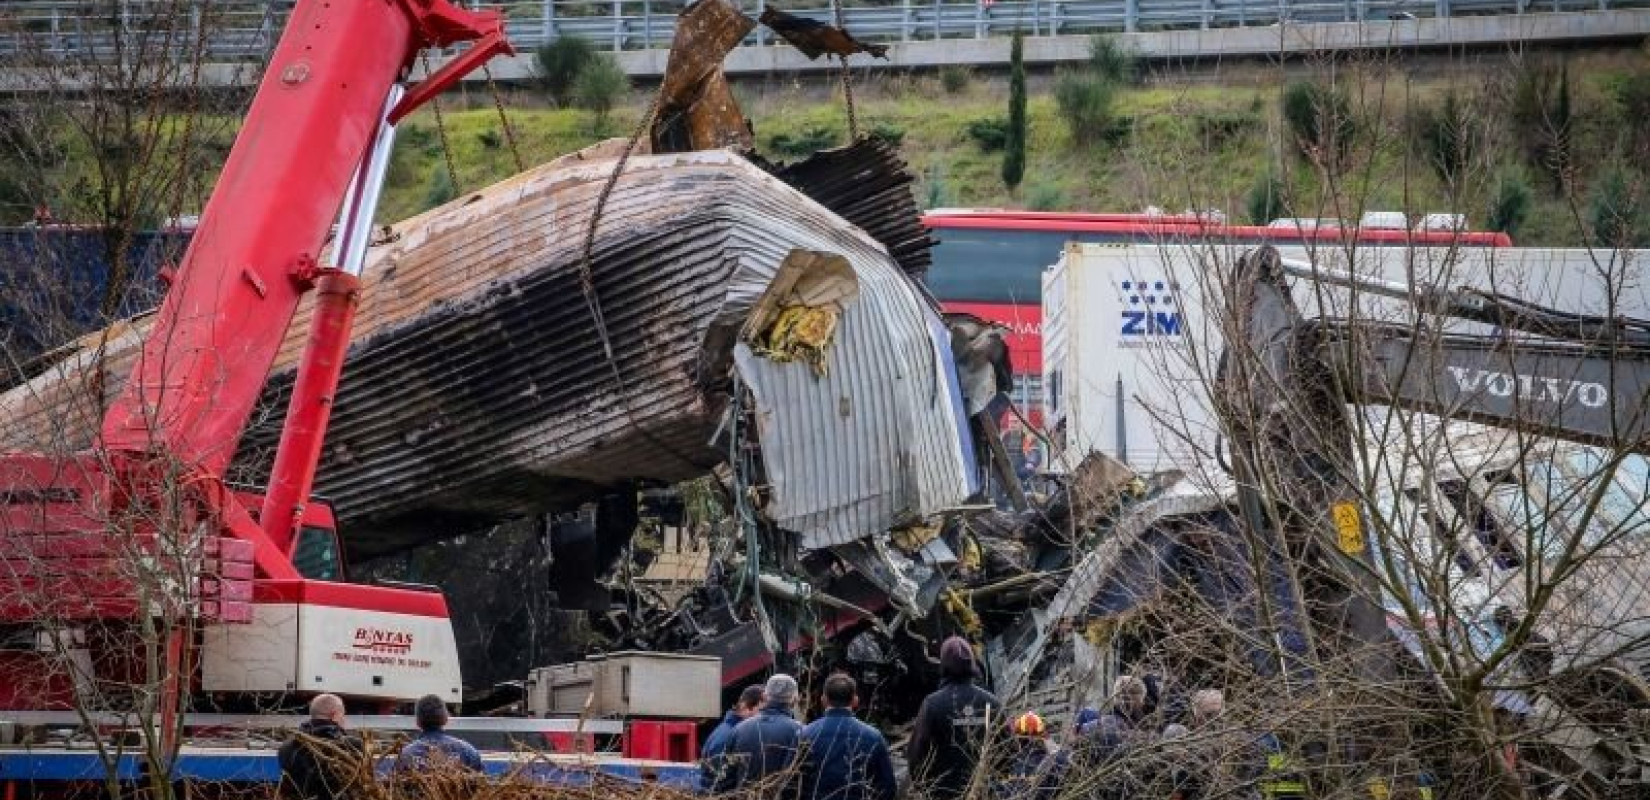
[143,526]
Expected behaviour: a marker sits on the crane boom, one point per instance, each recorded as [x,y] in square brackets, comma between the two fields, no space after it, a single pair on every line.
[1592,394]
[1585,379]
[258,246]
[86,536]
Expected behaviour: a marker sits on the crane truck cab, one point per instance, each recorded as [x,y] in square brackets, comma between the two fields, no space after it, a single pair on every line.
[321,633]
[142,527]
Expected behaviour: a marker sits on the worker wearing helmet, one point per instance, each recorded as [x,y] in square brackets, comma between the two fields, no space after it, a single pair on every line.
[1030,766]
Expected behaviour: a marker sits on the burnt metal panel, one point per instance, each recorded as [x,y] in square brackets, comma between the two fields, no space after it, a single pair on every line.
[868,184]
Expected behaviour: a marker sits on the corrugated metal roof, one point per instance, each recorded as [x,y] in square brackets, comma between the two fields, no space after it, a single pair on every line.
[880,439]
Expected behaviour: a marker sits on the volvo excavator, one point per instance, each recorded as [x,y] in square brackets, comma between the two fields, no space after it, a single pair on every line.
[1289,393]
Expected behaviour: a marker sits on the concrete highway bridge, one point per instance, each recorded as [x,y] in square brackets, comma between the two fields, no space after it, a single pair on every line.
[233,39]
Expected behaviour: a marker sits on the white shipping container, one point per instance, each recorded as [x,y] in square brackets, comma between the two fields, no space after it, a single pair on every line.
[1129,345]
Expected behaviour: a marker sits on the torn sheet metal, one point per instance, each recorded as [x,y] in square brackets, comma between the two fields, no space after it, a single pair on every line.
[981,350]
[873,440]
[868,184]
[815,38]
[1124,568]
[796,319]
[912,585]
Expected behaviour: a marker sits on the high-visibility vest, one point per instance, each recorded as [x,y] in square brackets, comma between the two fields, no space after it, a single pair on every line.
[1283,780]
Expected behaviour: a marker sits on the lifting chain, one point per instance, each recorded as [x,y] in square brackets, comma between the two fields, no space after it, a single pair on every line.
[847,78]
[587,280]
[441,131]
[503,118]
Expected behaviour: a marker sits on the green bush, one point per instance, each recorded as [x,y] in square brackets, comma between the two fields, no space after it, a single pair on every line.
[1218,129]
[441,188]
[490,139]
[1632,95]
[417,137]
[954,78]
[1448,136]
[1542,119]
[1045,197]
[1617,210]
[1510,202]
[557,66]
[1320,119]
[1085,102]
[990,134]
[805,143]
[936,194]
[889,132]
[1112,61]
[1266,199]
[600,86]
[1118,130]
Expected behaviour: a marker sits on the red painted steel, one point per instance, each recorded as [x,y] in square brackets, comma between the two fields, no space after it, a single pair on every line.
[293,476]
[169,435]
[255,251]
[351,595]
[655,740]
[1147,230]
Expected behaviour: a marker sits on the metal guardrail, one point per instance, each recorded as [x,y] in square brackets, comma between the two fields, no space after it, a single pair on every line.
[236,31]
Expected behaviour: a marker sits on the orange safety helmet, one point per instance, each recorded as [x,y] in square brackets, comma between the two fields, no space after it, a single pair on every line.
[1028,724]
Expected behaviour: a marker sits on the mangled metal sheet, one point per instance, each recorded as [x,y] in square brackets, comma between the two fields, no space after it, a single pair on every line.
[477,387]
[868,435]
[868,184]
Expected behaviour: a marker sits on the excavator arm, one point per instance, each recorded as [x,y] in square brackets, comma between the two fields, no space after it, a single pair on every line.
[1285,383]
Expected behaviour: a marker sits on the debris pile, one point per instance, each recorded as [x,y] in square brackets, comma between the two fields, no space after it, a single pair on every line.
[641,314]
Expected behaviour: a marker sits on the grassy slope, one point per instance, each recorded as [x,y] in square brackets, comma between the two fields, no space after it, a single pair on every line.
[1174,159]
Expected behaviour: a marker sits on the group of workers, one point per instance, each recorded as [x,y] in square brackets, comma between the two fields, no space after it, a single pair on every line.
[964,743]
[324,761]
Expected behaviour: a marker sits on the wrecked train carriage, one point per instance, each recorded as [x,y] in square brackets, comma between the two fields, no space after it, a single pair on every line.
[478,388]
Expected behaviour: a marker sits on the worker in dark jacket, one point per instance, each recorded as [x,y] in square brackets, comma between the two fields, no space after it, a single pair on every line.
[710,757]
[323,762]
[765,744]
[951,726]
[843,758]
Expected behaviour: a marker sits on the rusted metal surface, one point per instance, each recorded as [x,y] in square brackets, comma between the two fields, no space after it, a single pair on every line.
[697,110]
[815,38]
[477,389]
[868,184]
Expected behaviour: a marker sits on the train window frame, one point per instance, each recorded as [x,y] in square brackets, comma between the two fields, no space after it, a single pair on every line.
[1471,502]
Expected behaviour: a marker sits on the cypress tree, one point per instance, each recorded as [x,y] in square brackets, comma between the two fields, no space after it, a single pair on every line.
[1014,149]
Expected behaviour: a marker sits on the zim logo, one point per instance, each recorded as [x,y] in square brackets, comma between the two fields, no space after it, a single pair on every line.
[382,641]
[1151,309]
